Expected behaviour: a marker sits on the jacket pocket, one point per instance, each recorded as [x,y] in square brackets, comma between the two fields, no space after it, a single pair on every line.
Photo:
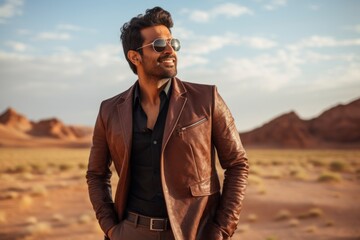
[206,187]
[184,128]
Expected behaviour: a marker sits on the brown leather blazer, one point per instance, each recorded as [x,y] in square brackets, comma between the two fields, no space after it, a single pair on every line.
[197,123]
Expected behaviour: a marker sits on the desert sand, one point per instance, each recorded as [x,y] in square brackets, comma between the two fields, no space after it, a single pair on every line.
[292,194]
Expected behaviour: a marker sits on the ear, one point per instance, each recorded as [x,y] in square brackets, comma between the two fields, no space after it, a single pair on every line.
[134,57]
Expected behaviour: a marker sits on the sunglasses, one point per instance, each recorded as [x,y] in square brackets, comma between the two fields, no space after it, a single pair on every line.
[159,44]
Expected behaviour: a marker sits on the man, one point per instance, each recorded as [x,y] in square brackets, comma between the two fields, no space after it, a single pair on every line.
[161,135]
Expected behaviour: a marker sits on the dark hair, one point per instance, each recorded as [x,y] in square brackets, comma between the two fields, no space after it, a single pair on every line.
[130,32]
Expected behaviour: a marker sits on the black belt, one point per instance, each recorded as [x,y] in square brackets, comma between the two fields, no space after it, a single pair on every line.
[154,224]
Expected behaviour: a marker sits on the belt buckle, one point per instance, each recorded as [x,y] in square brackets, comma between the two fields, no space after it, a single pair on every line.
[152,222]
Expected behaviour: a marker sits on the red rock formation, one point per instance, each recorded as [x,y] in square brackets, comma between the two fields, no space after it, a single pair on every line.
[338,127]
[17,130]
[52,128]
[11,119]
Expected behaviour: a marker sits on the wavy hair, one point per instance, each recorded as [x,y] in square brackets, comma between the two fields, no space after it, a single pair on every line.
[130,32]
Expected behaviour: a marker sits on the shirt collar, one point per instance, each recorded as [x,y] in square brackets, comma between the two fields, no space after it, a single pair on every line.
[166,90]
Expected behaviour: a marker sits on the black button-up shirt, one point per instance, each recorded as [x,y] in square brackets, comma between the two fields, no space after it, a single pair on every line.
[145,194]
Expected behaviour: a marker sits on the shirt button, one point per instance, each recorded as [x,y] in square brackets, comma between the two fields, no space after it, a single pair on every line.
[155,142]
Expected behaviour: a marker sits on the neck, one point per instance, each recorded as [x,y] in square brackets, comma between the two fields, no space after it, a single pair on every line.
[150,90]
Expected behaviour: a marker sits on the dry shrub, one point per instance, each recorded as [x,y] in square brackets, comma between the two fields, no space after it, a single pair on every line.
[310,229]
[338,166]
[57,217]
[255,170]
[65,167]
[39,190]
[31,220]
[10,195]
[252,217]
[261,190]
[299,174]
[275,174]
[38,168]
[317,162]
[329,223]
[312,213]
[329,177]
[283,215]
[243,228]
[294,222]
[82,166]
[39,229]
[22,168]
[85,218]
[27,176]
[254,180]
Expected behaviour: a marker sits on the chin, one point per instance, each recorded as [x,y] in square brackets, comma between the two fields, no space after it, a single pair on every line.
[169,74]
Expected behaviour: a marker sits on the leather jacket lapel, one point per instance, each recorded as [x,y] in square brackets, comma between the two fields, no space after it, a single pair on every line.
[176,106]
[124,109]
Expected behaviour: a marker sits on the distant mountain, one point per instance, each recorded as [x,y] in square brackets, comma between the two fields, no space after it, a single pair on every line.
[17,130]
[337,127]
[12,119]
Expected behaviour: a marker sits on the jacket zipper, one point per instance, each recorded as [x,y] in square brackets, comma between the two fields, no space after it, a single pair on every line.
[180,130]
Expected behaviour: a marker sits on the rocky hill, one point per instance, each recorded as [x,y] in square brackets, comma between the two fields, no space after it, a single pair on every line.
[17,130]
[337,127]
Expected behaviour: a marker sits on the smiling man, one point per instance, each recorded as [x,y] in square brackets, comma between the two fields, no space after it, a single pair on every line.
[162,135]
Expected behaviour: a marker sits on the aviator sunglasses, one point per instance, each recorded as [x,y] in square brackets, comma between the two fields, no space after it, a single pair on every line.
[159,44]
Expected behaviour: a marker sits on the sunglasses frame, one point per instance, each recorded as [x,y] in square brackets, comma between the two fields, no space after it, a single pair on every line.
[167,42]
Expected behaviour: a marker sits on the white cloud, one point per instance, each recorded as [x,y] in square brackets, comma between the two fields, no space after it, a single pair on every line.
[274,4]
[324,41]
[65,84]
[23,32]
[53,36]
[258,43]
[17,46]
[227,10]
[64,64]
[338,77]
[191,60]
[73,28]
[266,72]
[230,10]
[354,28]
[9,9]
[68,27]
[208,44]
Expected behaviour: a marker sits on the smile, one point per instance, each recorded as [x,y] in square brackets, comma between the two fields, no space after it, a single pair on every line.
[168,60]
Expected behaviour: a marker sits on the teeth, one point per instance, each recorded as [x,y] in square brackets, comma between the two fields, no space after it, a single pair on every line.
[169,60]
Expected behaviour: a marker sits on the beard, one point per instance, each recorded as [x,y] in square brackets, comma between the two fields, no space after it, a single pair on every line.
[165,67]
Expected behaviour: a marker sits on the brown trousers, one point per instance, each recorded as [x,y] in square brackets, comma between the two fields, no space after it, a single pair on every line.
[127,230]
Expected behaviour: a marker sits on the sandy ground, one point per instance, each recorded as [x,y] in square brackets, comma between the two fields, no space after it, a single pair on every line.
[55,205]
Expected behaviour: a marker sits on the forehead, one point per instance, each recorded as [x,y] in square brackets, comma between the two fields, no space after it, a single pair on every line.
[151,33]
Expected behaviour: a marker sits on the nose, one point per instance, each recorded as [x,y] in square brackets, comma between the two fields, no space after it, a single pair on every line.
[169,48]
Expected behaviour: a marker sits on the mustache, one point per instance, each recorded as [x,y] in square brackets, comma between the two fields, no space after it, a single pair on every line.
[167,57]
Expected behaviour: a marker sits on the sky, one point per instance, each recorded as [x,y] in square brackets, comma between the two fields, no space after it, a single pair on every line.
[267,57]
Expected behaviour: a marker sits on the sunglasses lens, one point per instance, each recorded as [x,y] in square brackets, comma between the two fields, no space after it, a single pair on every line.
[175,44]
[159,45]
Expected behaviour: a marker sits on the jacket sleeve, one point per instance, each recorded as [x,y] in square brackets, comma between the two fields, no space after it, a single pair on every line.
[98,177]
[233,159]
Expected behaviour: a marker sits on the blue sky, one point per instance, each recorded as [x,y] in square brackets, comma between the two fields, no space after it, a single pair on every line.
[267,57]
